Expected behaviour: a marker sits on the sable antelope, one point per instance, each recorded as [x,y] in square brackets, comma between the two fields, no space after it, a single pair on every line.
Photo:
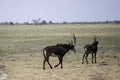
[90,48]
[58,50]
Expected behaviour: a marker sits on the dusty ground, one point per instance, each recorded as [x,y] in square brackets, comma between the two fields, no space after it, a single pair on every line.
[29,67]
[21,52]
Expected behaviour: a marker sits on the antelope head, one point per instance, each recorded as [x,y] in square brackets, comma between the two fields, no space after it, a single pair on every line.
[95,40]
[73,43]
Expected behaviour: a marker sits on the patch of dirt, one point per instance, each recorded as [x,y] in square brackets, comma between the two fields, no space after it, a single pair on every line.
[30,67]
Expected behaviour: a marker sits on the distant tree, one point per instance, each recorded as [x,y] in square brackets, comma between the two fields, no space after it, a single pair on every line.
[50,22]
[26,23]
[116,22]
[11,23]
[65,22]
[43,22]
[106,22]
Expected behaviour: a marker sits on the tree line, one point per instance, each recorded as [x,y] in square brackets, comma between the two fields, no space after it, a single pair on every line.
[44,22]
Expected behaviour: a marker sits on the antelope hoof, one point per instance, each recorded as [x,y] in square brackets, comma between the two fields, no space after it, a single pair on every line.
[51,67]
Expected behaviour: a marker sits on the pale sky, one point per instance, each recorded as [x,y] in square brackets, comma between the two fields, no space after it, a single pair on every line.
[59,10]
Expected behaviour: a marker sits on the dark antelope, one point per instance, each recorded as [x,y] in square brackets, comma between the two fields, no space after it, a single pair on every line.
[58,50]
[90,48]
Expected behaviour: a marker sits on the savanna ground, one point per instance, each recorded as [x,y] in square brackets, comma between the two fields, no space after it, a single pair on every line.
[21,52]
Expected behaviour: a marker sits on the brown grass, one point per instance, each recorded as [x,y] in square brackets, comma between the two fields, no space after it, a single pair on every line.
[21,52]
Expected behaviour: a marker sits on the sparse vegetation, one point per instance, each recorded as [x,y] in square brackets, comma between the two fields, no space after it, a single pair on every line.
[21,51]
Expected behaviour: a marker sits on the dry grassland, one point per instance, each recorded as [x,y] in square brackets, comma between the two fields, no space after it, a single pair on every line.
[21,52]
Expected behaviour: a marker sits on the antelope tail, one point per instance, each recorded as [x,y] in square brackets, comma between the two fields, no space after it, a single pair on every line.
[85,50]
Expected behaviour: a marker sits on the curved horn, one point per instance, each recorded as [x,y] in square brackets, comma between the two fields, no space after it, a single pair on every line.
[74,39]
[95,38]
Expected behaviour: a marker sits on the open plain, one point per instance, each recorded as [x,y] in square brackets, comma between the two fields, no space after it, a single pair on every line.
[21,55]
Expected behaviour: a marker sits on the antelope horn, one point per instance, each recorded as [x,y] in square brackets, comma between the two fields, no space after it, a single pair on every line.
[95,38]
[74,39]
